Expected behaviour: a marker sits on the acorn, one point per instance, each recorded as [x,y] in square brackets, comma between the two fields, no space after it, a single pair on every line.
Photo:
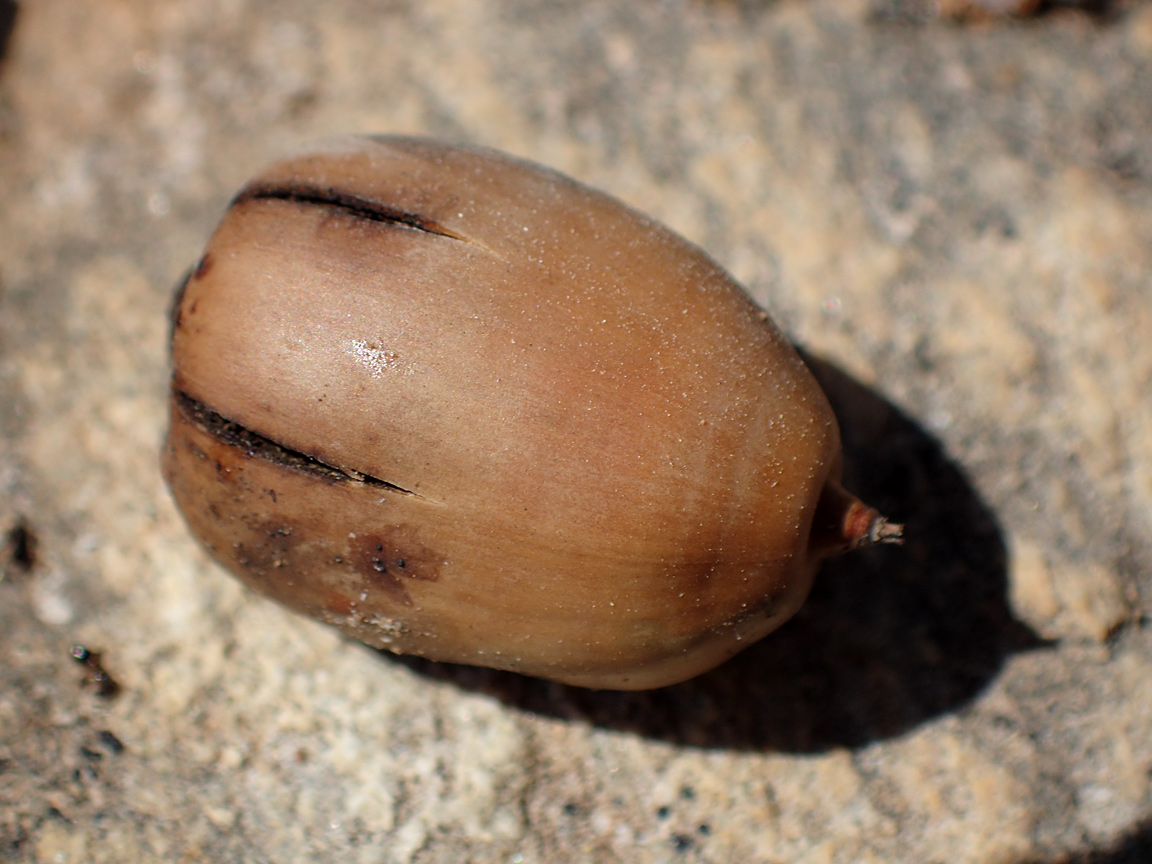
[463,407]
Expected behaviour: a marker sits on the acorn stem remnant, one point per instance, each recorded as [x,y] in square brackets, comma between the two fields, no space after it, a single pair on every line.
[843,522]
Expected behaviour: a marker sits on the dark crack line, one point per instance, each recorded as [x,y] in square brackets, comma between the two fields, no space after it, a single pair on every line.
[235,435]
[361,207]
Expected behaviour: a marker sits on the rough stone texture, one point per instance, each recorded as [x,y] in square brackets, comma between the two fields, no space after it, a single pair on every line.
[954,220]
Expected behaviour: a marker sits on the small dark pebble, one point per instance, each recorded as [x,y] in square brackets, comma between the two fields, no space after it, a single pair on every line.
[687,793]
[705,829]
[96,674]
[18,555]
[571,808]
[663,812]
[682,842]
[94,755]
[111,743]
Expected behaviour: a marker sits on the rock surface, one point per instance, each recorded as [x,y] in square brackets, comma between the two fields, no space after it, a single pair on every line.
[954,221]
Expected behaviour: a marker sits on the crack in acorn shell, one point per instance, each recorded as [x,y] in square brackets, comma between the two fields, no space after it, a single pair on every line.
[365,208]
[254,444]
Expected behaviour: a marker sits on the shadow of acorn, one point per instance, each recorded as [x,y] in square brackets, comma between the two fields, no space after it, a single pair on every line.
[7,23]
[889,638]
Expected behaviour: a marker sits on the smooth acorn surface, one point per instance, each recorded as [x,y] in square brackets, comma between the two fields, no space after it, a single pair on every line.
[464,407]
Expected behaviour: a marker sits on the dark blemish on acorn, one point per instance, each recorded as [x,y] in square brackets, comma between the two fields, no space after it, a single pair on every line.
[204,266]
[338,604]
[175,311]
[390,561]
[269,546]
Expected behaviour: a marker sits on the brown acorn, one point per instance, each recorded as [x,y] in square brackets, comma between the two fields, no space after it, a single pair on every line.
[464,407]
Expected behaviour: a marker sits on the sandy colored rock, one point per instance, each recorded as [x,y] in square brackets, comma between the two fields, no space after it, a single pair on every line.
[953,220]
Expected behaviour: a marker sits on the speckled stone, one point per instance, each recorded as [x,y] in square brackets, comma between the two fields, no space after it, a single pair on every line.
[954,221]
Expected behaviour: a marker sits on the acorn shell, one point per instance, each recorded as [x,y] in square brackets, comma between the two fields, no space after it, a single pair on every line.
[461,406]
